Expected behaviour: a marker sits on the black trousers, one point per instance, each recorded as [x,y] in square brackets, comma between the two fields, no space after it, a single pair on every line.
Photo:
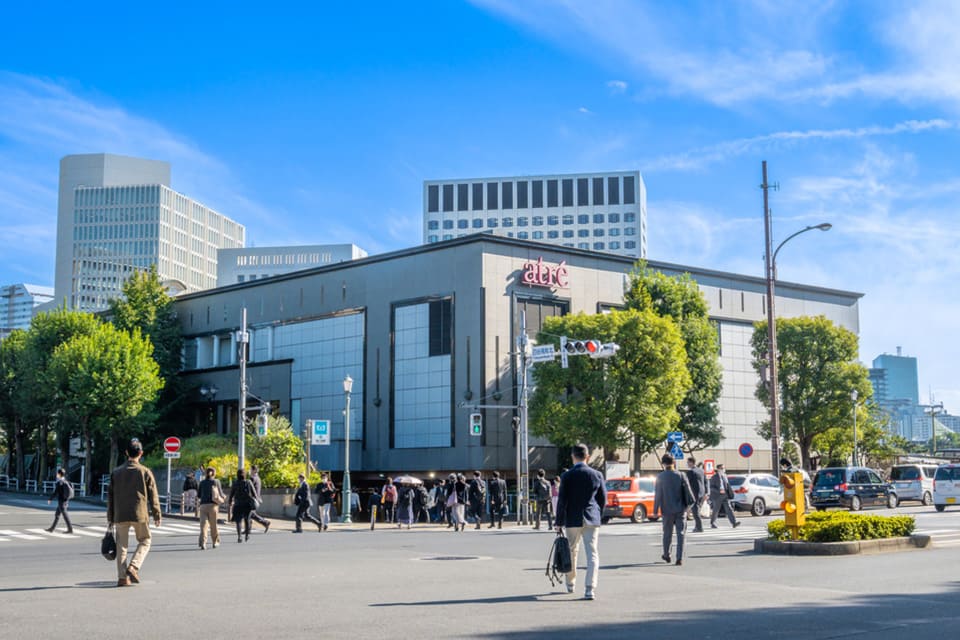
[544,508]
[389,512]
[697,519]
[496,513]
[303,513]
[241,515]
[256,517]
[62,511]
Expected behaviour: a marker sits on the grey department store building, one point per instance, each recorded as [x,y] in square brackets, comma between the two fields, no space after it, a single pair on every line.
[422,330]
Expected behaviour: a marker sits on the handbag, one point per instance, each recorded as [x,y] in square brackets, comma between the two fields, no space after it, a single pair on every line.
[108,546]
[218,497]
[559,563]
[452,500]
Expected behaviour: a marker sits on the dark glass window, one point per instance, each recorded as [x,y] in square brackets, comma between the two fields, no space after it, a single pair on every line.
[630,231]
[553,220]
[598,218]
[538,235]
[567,219]
[629,217]
[441,327]
[448,236]
[568,192]
[492,195]
[507,222]
[433,198]
[568,233]
[491,222]
[507,195]
[583,233]
[583,245]
[429,239]
[613,217]
[629,190]
[583,218]
[522,235]
[478,223]
[448,224]
[522,194]
[433,225]
[583,195]
[598,191]
[553,235]
[448,197]
[463,197]
[613,190]
[630,244]
[598,233]
[538,221]
[614,245]
[552,200]
[522,221]
[477,196]
[463,224]
[537,187]
[598,246]
[615,231]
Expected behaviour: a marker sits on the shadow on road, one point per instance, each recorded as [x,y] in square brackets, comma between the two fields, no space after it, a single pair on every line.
[432,603]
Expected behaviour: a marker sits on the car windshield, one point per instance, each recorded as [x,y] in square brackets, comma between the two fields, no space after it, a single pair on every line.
[905,473]
[618,485]
[829,477]
[736,481]
[948,473]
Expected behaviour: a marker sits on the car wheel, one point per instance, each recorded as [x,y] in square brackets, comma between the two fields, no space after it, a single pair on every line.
[941,507]
[855,503]
[639,514]
[605,519]
[821,508]
[892,501]
[927,499]
[759,507]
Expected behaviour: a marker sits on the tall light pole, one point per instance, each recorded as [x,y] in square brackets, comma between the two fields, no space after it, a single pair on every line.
[771,269]
[242,339]
[934,410]
[853,396]
[345,502]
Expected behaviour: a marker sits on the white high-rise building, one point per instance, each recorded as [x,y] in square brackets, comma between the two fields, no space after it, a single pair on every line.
[596,211]
[252,263]
[117,215]
[17,302]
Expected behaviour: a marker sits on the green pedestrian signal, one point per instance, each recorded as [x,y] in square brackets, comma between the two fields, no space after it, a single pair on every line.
[476,424]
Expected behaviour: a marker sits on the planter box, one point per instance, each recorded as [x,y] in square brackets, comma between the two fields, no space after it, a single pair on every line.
[277,503]
[880,545]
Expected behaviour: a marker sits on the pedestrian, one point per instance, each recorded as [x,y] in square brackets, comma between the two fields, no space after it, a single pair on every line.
[541,499]
[437,497]
[720,495]
[580,503]
[326,493]
[374,503]
[131,498]
[404,506]
[476,495]
[188,497]
[258,487]
[355,507]
[421,504]
[698,485]
[243,501]
[554,493]
[459,502]
[389,497]
[303,502]
[498,500]
[63,492]
[672,497]
[449,499]
[210,495]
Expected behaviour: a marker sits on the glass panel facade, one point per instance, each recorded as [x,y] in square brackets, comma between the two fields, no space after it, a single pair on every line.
[629,190]
[537,187]
[552,195]
[522,194]
[567,192]
[448,197]
[492,189]
[463,197]
[477,196]
[433,198]
[507,200]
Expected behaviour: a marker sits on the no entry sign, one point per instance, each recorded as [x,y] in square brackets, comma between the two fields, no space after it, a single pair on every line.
[171,444]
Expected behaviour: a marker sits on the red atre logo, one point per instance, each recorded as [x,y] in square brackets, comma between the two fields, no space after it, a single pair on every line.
[537,274]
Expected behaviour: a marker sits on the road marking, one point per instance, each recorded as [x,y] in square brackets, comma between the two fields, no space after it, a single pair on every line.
[183,528]
[19,536]
[52,534]
[92,534]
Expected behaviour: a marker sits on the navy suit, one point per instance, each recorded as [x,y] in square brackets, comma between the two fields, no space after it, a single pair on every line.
[583,494]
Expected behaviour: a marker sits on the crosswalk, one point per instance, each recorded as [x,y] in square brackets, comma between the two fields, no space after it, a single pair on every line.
[941,538]
[84,532]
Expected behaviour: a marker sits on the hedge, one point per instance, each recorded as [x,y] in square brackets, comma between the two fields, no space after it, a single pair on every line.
[843,526]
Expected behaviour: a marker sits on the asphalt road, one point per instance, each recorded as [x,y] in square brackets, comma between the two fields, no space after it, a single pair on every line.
[433,583]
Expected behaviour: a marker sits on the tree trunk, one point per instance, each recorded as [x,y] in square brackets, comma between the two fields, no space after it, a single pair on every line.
[43,467]
[63,440]
[21,454]
[805,445]
[113,454]
[88,458]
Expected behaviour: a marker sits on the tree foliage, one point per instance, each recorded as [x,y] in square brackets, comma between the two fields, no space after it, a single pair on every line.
[679,298]
[818,371]
[278,455]
[608,402]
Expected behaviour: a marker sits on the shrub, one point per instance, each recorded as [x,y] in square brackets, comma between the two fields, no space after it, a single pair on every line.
[198,451]
[843,526]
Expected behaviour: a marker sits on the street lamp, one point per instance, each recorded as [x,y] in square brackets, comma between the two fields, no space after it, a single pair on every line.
[934,409]
[853,396]
[771,268]
[345,502]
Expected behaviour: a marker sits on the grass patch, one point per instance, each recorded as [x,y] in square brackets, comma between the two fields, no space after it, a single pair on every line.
[843,526]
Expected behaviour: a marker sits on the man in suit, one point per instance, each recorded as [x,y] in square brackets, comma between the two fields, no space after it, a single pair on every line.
[583,495]
[62,492]
[720,492]
[498,499]
[672,496]
[698,485]
[304,502]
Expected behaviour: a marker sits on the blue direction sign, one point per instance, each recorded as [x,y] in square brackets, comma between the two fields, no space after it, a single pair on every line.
[675,436]
[319,431]
[676,452]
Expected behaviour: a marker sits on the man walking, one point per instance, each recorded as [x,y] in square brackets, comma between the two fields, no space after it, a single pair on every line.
[303,502]
[498,500]
[257,486]
[720,494]
[579,508]
[672,496]
[698,485]
[63,492]
[131,495]
[541,498]
[477,496]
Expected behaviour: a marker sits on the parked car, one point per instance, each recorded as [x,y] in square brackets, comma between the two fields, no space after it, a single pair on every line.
[757,493]
[630,498]
[946,486]
[914,482]
[851,488]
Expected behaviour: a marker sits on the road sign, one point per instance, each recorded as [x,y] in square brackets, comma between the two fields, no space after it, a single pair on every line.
[746,450]
[675,436]
[543,353]
[709,466]
[171,454]
[320,431]
[171,444]
[676,452]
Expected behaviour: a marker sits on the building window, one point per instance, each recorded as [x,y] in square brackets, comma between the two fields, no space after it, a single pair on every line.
[615,231]
[491,223]
[583,245]
[552,199]
[613,190]
[463,197]
[629,190]
[598,233]
[433,225]
[448,197]
[598,246]
[598,191]
[538,221]
[507,189]
[478,223]
[537,187]
[448,236]
[629,217]
[568,233]
[583,194]
[492,188]
[567,219]
[477,196]
[522,235]
[553,220]
[583,218]
[598,218]
[522,194]
[507,222]
[583,233]
[629,244]
[630,231]
[240,278]
[614,245]
[433,198]
[429,239]
[567,187]
[538,235]
[448,224]
[613,217]
[463,223]
[522,221]
[553,235]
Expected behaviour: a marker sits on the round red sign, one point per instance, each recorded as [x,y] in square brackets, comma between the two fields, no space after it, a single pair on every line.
[171,444]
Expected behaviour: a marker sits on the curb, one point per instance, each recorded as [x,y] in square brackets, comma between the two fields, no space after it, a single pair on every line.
[882,545]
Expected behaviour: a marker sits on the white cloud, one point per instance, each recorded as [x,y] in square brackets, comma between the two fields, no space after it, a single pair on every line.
[584,110]
[617,86]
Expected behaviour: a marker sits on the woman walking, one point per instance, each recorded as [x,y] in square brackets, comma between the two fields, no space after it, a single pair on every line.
[460,491]
[326,495]
[404,506]
[243,503]
[210,494]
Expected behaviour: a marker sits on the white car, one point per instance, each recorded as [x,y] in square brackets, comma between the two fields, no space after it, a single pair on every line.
[757,493]
[946,486]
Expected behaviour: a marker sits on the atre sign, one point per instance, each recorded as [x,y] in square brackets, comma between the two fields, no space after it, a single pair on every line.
[538,274]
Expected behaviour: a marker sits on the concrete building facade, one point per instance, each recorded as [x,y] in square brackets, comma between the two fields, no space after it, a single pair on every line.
[256,263]
[17,302]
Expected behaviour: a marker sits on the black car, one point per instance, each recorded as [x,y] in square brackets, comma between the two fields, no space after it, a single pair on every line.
[850,488]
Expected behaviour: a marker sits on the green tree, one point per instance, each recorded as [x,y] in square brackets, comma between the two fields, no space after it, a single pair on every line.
[818,370]
[12,350]
[279,454]
[680,298]
[608,402]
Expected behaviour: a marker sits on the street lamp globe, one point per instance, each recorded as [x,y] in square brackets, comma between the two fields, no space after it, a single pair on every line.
[345,500]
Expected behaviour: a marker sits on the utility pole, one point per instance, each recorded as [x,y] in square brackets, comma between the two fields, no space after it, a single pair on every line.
[242,338]
[771,330]
[523,440]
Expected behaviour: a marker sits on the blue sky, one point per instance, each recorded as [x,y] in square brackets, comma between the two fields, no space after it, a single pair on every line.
[319,123]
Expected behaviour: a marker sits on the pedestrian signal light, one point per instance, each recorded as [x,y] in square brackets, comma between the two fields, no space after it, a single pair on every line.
[794,509]
[476,424]
[262,425]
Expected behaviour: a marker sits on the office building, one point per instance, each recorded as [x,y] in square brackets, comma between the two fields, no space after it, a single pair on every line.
[594,211]
[894,377]
[256,263]
[117,215]
[17,302]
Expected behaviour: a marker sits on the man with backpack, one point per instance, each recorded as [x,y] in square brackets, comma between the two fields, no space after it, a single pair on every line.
[188,499]
[541,498]
[63,492]
[583,494]
[476,497]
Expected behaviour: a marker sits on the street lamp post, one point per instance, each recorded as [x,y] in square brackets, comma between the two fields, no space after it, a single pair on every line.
[771,269]
[934,410]
[853,396]
[345,502]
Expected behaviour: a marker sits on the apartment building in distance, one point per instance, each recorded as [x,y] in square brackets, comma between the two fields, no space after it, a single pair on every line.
[17,302]
[257,263]
[594,211]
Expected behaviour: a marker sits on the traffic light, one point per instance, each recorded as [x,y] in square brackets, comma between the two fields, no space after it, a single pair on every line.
[579,347]
[262,424]
[607,350]
[476,424]
[794,508]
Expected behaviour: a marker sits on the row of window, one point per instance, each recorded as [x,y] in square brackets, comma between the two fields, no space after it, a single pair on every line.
[552,235]
[535,221]
[530,194]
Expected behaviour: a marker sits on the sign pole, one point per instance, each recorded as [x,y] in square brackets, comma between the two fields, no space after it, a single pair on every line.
[169,465]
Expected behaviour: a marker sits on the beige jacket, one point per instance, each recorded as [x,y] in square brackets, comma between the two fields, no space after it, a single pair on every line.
[132,495]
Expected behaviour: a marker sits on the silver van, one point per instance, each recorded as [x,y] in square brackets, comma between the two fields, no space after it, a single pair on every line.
[914,482]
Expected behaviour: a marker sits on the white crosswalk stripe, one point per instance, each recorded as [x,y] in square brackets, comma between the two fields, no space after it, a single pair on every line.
[97,533]
[92,531]
[52,534]
[18,535]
